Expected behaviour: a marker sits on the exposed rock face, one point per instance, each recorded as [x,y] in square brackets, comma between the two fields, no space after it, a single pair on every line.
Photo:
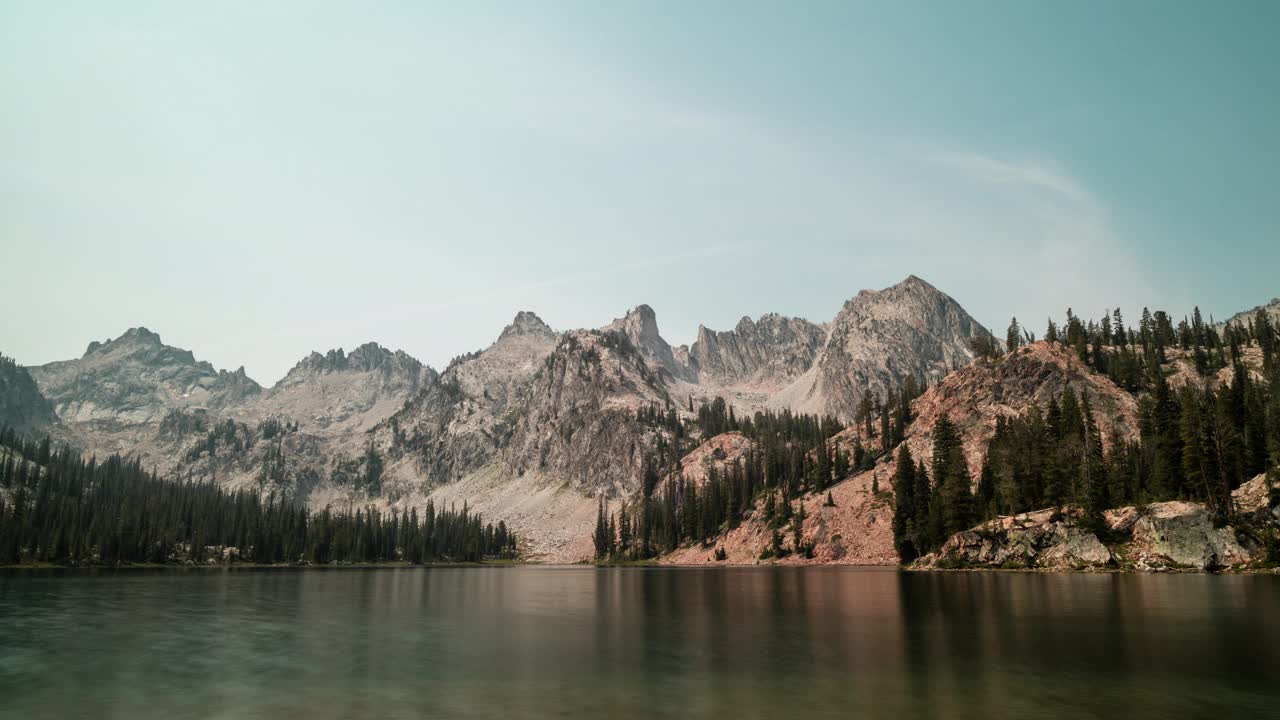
[22,407]
[136,379]
[459,423]
[878,339]
[1254,497]
[769,352]
[1180,534]
[577,419]
[640,326]
[717,454]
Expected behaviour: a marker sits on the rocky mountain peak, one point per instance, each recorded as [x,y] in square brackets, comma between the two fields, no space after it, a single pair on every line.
[132,340]
[640,326]
[135,379]
[879,338]
[527,323]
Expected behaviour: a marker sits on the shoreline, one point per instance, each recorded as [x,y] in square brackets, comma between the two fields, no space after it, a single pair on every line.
[390,565]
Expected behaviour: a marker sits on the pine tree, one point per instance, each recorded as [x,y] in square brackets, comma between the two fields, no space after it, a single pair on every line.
[1093,473]
[951,477]
[1013,336]
[905,535]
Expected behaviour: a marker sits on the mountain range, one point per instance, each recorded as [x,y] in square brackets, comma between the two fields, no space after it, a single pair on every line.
[540,426]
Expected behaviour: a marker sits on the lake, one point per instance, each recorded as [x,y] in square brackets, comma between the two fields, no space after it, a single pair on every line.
[552,642]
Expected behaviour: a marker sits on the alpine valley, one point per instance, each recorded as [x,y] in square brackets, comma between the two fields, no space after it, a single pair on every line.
[900,430]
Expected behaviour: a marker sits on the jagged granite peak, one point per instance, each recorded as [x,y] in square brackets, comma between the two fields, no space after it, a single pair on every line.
[877,340]
[135,379]
[22,406]
[772,348]
[578,419]
[366,358]
[456,423]
[640,326]
[527,323]
[135,338]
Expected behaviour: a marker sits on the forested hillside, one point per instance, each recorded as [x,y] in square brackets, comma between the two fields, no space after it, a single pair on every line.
[56,507]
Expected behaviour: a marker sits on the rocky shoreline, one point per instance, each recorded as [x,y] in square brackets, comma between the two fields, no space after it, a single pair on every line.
[1160,537]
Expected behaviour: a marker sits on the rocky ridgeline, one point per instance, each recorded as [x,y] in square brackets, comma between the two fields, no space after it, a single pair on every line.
[1272,309]
[1172,535]
[876,340]
[136,379]
[770,352]
[338,393]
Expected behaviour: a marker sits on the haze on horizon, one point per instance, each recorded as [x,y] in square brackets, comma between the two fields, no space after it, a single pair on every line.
[256,181]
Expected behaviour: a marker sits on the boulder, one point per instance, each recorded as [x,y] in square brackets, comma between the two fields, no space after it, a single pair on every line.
[1073,548]
[1253,496]
[1180,534]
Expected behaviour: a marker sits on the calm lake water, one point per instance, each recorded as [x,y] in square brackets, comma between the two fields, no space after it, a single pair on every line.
[537,642]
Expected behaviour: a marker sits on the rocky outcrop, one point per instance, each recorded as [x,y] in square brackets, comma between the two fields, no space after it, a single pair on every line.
[1043,540]
[1171,535]
[716,455]
[1257,497]
[22,406]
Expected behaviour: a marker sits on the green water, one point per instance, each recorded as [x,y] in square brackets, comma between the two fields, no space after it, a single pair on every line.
[532,642]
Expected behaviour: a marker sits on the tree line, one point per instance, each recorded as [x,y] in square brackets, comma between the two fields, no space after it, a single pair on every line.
[56,507]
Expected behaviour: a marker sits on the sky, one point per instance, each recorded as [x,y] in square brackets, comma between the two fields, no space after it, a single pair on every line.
[256,180]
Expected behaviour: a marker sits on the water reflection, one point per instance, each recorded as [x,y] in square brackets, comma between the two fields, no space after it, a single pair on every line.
[642,643]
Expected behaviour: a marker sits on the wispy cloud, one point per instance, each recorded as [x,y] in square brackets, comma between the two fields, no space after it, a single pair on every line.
[1067,251]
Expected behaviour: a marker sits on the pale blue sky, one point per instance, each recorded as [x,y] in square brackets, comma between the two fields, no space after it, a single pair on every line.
[257,180]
